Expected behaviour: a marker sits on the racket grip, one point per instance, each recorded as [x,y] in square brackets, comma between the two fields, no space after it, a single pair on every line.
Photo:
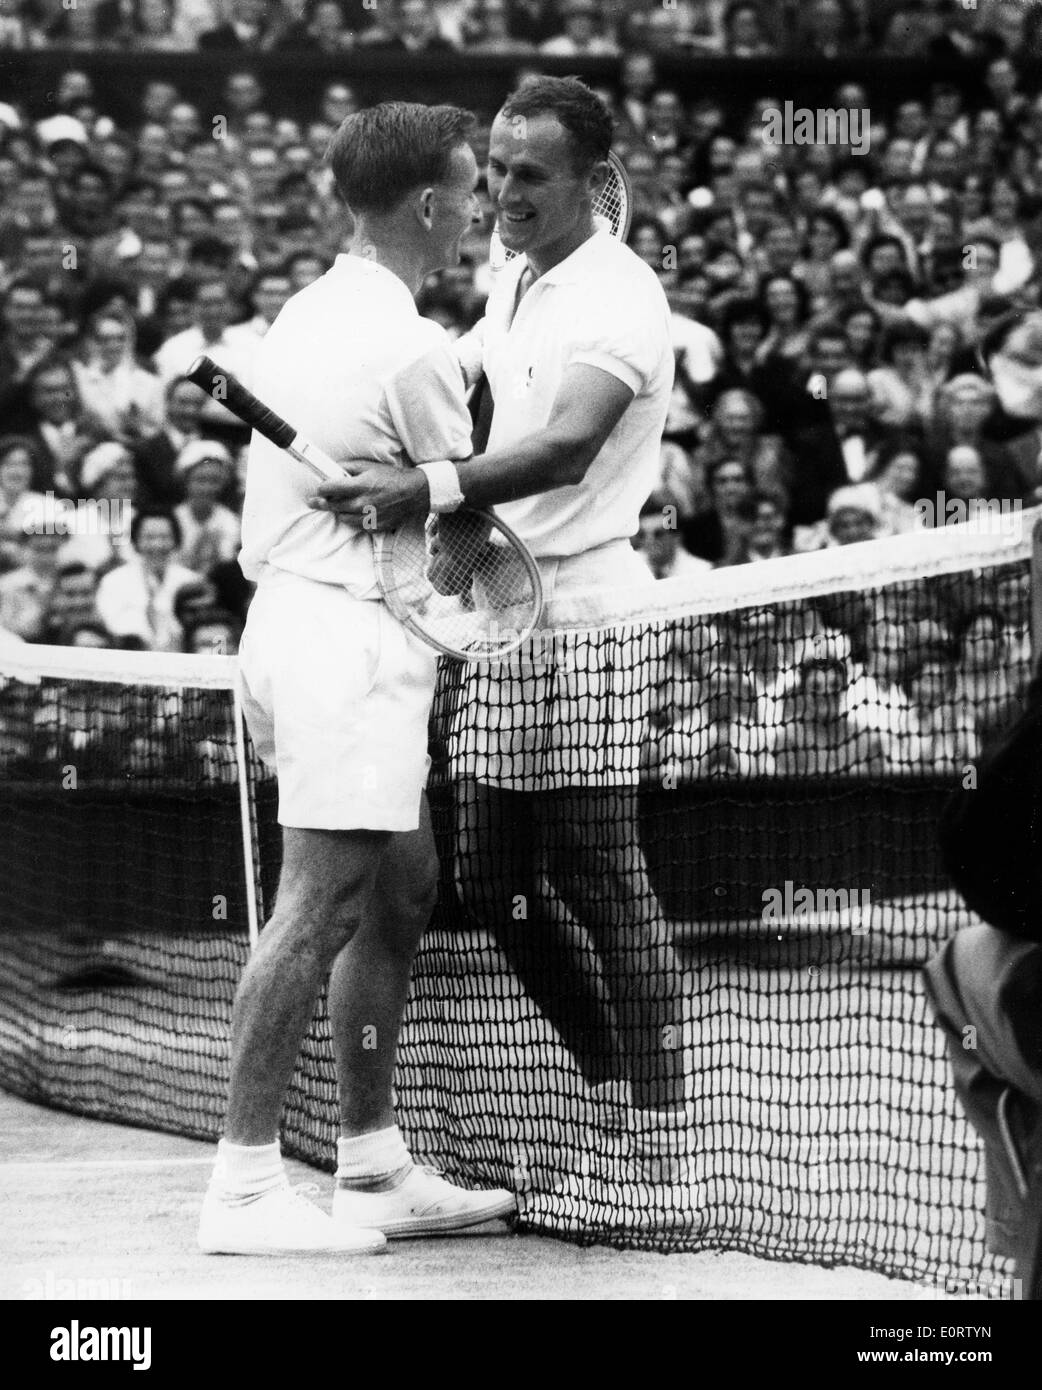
[229,391]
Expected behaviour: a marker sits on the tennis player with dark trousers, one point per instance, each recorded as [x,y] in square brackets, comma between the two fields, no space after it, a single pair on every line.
[337,695]
[576,348]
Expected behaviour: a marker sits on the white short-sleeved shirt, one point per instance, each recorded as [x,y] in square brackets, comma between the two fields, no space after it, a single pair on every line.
[603,307]
[349,363]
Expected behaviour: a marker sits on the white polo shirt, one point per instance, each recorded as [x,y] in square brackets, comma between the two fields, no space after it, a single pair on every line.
[350,363]
[603,307]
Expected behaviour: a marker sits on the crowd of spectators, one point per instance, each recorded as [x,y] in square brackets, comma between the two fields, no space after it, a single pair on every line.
[828,306]
[753,29]
[900,680]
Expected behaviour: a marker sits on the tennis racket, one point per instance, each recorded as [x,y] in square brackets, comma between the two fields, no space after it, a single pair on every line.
[612,210]
[463,582]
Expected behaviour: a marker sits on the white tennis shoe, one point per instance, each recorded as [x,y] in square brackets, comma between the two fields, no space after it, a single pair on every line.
[423,1203]
[280,1222]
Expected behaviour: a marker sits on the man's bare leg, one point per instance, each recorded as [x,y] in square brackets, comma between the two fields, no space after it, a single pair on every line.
[325,888]
[378,1184]
[370,981]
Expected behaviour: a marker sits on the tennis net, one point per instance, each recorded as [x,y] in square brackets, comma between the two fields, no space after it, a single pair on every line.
[687,850]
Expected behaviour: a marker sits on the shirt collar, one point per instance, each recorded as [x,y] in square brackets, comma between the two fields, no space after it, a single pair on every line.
[572,267]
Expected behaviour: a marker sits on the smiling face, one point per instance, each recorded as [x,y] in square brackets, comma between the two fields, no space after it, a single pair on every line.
[156,542]
[542,196]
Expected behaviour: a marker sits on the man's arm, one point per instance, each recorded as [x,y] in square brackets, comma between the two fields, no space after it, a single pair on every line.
[589,405]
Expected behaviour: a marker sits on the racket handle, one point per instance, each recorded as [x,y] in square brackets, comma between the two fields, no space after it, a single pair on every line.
[229,391]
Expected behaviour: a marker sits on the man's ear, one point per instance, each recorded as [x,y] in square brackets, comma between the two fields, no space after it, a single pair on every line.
[597,178]
[425,207]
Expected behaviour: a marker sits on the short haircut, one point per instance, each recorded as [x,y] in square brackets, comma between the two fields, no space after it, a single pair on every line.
[877,243]
[578,108]
[382,152]
[211,250]
[743,309]
[155,514]
[72,569]
[210,617]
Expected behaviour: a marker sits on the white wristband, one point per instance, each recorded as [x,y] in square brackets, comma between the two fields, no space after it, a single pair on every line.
[443,483]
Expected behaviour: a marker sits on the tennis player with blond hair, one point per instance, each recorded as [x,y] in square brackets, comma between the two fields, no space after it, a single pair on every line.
[337,695]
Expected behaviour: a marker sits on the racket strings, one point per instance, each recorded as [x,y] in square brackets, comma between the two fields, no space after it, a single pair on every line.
[458,583]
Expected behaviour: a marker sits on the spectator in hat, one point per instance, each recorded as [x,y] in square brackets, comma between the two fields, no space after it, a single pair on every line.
[109,478]
[210,531]
[853,513]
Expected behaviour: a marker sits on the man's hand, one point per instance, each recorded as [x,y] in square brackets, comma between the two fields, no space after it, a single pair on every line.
[376,496]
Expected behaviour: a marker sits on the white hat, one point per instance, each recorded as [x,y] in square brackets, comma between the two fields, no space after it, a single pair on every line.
[56,128]
[9,117]
[202,451]
[101,460]
[858,497]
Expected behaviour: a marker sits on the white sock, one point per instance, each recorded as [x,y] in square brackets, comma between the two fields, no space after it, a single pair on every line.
[248,1170]
[372,1161]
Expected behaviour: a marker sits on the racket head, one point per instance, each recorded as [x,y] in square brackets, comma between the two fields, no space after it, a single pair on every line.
[612,210]
[463,582]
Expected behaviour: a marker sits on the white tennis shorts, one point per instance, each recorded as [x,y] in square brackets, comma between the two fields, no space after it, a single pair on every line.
[570,712]
[337,697]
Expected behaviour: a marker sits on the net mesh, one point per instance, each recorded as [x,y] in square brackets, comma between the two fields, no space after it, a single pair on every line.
[688,868]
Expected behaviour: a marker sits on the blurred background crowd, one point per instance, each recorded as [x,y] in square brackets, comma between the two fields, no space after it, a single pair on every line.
[829,300]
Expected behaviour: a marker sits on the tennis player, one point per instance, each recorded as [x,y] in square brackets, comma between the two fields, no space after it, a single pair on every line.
[576,346]
[337,696]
